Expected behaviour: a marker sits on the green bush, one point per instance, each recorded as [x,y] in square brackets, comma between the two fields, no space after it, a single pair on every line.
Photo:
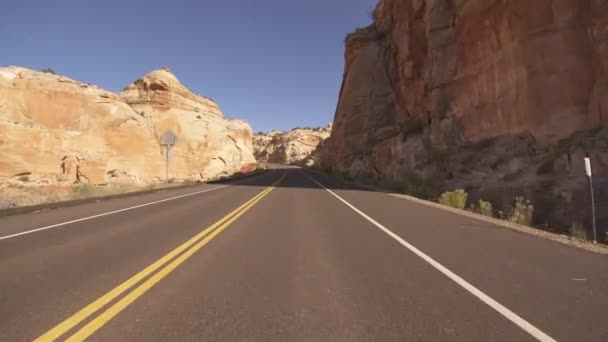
[485,208]
[455,199]
[578,231]
[523,212]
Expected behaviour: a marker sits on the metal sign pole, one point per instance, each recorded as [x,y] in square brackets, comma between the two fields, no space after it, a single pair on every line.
[167,139]
[590,178]
[167,163]
[593,210]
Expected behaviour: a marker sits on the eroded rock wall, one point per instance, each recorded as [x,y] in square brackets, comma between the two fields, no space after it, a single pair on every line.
[501,97]
[299,146]
[54,130]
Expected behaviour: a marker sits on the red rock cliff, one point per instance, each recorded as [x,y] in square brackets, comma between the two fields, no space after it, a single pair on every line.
[497,96]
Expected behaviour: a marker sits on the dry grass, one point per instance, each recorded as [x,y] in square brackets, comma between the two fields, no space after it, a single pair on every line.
[14,196]
[578,231]
[523,212]
[455,199]
[483,208]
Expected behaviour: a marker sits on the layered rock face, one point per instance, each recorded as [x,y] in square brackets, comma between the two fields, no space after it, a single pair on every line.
[54,130]
[501,97]
[209,145]
[299,146]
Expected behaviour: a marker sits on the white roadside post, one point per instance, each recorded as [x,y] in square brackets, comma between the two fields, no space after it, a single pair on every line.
[168,140]
[590,178]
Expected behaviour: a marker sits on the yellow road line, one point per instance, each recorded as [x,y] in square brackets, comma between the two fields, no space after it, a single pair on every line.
[81,315]
[115,309]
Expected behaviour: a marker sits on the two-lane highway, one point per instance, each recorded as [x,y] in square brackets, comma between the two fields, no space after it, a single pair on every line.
[288,255]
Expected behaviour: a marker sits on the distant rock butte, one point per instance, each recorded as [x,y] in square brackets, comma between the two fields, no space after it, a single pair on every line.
[498,97]
[299,146]
[55,130]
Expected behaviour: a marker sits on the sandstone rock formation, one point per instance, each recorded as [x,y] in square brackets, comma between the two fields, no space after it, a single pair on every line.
[297,147]
[57,130]
[209,145]
[501,97]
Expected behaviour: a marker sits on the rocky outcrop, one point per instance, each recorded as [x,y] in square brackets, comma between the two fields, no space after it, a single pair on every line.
[299,146]
[57,130]
[209,145]
[499,97]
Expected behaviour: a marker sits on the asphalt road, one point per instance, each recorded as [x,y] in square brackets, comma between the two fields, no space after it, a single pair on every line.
[288,255]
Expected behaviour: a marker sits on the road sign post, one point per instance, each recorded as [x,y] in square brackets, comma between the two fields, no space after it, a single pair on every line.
[167,148]
[590,178]
[168,139]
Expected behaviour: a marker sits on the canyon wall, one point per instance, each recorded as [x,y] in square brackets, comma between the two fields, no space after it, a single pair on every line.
[500,97]
[54,130]
[300,146]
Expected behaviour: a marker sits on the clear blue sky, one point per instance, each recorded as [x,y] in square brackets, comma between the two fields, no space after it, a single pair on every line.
[275,63]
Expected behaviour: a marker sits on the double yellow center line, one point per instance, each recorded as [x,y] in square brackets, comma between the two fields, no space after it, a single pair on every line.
[178,255]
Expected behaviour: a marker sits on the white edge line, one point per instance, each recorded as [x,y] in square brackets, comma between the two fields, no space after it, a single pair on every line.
[510,315]
[108,213]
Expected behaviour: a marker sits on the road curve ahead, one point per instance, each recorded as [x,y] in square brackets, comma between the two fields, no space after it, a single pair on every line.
[288,255]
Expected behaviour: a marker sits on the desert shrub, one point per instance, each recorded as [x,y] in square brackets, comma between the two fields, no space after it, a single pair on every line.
[345,175]
[414,184]
[82,191]
[578,231]
[275,139]
[49,71]
[86,191]
[409,182]
[546,168]
[153,186]
[485,208]
[52,199]
[122,188]
[391,184]
[455,199]
[369,33]
[523,212]
[24,179]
